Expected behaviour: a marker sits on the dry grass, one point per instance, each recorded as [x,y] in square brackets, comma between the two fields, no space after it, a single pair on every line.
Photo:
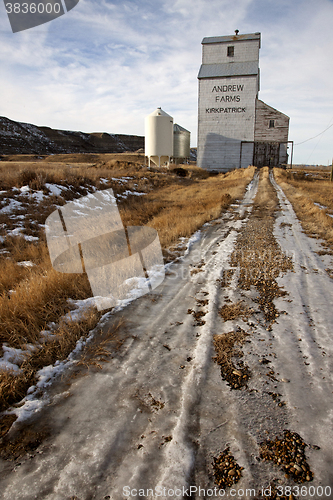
[230,312]
[36,302]
[175,206]
[75,170]
[303,192]
[20,250]
[187,209]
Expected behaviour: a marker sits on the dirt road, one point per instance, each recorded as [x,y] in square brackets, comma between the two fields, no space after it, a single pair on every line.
[163,418]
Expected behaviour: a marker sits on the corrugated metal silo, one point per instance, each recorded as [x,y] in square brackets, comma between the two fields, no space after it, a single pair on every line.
[159,137]
[181,143]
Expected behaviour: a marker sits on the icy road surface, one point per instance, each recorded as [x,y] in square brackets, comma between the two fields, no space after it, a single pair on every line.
[159,411]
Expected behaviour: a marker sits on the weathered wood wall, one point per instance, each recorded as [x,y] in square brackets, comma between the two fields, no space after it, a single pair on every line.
[262,131]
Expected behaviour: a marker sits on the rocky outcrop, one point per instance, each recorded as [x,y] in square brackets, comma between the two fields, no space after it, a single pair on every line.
[25,138]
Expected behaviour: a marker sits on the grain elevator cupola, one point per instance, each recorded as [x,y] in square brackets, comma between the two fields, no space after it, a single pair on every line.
[235,128]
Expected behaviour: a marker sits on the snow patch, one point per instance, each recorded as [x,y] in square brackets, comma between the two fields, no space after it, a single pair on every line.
[128,193]
[26,263]
[13,205]
[38,196]
[55,189]
[13,358]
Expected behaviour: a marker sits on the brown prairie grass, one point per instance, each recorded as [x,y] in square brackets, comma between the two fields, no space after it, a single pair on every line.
[175,206]
[13,386]
[188,208]
[303,194]
[36,175]
[36,302]
[20,250]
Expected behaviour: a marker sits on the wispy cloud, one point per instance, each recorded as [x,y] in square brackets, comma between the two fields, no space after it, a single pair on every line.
[107,64]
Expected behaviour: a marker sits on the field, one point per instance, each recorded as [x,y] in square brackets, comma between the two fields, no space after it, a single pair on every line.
[221,378]
[32,295]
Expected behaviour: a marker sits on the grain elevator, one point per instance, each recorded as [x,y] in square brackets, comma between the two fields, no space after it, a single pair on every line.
[235,128]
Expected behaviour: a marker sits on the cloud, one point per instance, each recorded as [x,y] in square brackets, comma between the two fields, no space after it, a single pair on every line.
[107,64]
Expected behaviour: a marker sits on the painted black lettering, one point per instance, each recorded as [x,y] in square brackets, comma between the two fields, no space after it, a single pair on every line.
[228,88]
[227,98]
[226,110]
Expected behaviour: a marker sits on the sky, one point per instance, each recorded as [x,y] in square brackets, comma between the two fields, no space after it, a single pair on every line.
[105,65]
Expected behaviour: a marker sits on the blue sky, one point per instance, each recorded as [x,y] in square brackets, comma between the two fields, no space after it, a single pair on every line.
[105,65]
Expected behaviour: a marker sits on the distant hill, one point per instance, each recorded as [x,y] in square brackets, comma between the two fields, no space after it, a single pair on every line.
[25,138]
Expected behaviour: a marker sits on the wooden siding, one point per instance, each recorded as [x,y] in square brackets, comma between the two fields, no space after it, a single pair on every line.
[243,51]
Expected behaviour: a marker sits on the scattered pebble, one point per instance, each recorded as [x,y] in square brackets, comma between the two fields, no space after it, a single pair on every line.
[289,452]
[226,470]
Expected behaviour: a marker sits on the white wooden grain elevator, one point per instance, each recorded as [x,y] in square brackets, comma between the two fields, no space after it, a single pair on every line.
[235,128]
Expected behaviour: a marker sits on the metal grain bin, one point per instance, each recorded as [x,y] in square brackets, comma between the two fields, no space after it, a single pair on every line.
[181,143]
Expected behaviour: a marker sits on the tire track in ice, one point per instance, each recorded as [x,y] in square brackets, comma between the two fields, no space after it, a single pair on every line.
[304,338]
[180,454]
